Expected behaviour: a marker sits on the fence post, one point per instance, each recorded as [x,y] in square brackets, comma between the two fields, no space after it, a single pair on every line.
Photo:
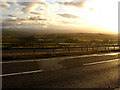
[11,51]
[81,48]
[33,46]
[53,50]
[68,50]
[108,48]
[33,51]
[105,48]
[114,47]
[97,48]
[92,48]
[87,48]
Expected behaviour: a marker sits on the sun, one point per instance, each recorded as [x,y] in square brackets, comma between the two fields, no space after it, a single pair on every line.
[99,14]
[103,14]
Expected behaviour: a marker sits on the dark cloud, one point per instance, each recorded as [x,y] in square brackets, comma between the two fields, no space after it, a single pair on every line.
[9,22]
[4,5]
[28,6]
[10,16]
[6,24]
[68,16]
[14,3]
[36,13]
[76,4]
[37,18]
[21,21]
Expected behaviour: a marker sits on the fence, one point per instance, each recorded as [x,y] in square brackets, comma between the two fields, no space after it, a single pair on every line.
[65,49]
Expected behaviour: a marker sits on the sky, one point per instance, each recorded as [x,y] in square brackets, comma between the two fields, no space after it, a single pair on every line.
[91,16]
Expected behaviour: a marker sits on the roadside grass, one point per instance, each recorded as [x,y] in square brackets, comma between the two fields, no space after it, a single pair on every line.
[13,56]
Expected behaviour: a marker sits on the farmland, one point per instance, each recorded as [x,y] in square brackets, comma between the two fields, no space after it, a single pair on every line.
[30,40]
[28,45]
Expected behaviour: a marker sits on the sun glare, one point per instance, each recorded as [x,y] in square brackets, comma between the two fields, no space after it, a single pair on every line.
[101,14]
[104,14]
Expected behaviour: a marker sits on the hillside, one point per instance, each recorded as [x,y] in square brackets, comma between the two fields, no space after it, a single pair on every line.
[26,37]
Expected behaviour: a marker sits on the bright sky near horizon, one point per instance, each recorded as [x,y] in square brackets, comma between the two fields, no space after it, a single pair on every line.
[81,15]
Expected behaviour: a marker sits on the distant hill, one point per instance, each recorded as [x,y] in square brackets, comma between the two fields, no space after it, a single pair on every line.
[25,36]
[28,32]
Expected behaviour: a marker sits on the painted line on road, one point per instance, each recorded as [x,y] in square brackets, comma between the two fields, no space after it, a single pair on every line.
[93,63]
[69,57]
[36,71]
[20,73]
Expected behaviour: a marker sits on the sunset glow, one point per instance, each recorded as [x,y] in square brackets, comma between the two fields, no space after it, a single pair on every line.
[90,15]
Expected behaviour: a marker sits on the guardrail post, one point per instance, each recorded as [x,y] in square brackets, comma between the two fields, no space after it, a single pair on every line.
[11,51]
[53,50]
[87,48]
[105,48]
[68,49]
[33,52]
[81,48]
[108,48]
[92,48]
[114,47]
[97,48]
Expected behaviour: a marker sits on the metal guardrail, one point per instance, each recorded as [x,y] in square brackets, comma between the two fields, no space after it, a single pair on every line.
[55,45]
[60,49]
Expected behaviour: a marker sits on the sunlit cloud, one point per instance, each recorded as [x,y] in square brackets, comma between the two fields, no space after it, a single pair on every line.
[4,5]
[68,14]
[14,3]
[30,6]
[12,21]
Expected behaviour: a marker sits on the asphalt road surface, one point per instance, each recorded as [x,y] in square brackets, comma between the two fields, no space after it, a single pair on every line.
[85,71]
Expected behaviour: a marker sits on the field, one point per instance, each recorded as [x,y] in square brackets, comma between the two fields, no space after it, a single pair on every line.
[18,45]
[23,45]
[48,40]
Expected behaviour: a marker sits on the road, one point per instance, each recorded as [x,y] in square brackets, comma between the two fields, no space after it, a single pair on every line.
[85,71]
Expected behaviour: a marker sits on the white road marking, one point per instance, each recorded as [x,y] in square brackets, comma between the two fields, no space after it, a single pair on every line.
[93,63]
[20,73]
[35,71]
[69,57]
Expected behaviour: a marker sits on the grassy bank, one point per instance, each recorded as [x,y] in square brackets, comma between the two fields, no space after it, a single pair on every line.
[50,54]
